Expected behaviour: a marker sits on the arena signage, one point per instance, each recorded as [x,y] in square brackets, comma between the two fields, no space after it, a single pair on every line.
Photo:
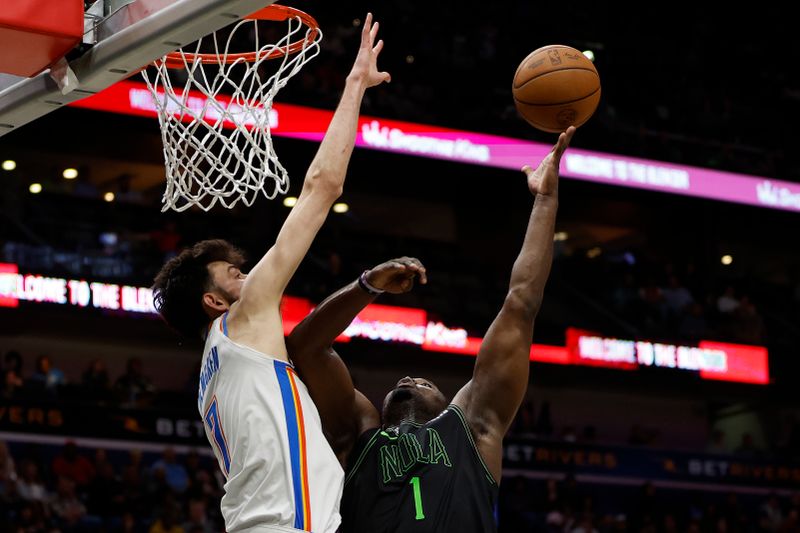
[307,123]
[632,465]
[710,360]
[16,287]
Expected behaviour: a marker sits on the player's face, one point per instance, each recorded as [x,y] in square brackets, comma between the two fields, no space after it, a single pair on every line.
[419,396]
[227,280]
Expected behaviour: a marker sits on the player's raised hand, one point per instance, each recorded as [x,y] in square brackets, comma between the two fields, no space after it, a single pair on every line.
[366,66]
[544,180]
[397,275]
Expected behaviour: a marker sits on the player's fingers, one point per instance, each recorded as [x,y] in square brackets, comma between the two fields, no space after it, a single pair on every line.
[378,47]
[373,32]
[366,27]
[527,170]
[385,76]
[416,262]
[563,141]
[421,270]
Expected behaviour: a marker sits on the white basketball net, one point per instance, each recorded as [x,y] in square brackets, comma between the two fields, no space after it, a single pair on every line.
[205,162]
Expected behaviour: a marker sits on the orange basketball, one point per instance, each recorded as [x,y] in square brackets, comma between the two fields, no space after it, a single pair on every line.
[556,87]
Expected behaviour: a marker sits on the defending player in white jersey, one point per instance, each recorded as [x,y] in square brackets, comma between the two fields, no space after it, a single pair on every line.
[265,430]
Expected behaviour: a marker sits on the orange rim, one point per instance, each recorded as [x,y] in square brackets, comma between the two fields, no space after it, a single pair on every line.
[276,13]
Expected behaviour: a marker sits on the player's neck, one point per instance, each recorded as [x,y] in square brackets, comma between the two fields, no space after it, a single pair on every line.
[406,414]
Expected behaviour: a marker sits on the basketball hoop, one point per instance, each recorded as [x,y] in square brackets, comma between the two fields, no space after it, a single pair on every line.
[200,95]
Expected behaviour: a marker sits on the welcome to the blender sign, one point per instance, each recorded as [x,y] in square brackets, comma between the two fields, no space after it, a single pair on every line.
[16,287]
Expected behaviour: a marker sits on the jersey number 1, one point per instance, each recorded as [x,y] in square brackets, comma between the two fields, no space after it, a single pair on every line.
[417,497]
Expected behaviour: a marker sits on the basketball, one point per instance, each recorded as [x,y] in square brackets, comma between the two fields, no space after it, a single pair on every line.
[556,87]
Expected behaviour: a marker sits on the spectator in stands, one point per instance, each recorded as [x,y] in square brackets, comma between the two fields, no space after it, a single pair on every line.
[68,509]
[654,309]
[134,388]
[197,517]
[167,239]
[669,524]
[202,481]
[551,500]
[174,473]
[95,382]
[47,378]
[517,506]
[677,298]
[133,487]
[12,375]
[525,421]
[734,514]
[32,517]
[747,448]
[792,521]
[585,524]
[770,514]
[625,297]
[8,473]
[167,523]
[29,485]
[748,324]
[717,442]
[648,509]
[727,302]
[73,466]
[568,434]
[544,422]
[571,495]
[106,496]
[101,459]
[693,325]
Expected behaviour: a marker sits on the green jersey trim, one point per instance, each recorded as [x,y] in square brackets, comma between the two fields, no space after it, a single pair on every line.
[363,454]
[457,410]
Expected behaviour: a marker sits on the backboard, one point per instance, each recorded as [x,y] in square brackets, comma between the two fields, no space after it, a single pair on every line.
[126,35]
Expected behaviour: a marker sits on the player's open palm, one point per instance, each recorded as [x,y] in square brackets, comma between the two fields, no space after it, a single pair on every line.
[366,65]
[397,276]
[544,180]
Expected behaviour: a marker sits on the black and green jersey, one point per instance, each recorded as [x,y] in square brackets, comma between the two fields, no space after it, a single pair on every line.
[418,479]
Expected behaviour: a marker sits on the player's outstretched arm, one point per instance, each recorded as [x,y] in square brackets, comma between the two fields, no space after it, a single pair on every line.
[491,398]
[322,186]
[345,413]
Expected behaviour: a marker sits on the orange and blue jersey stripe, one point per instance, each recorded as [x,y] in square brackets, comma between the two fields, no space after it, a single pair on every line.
[293,411]
[223,324]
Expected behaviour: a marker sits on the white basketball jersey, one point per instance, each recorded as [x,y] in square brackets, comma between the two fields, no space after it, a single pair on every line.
[267,436]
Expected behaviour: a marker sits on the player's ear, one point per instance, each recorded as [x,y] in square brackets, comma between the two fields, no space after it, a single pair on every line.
[214,302]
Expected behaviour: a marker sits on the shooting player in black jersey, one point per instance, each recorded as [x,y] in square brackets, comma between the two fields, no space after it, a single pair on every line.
[424,465]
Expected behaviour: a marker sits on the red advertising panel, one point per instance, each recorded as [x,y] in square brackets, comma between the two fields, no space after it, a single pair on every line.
[711,360]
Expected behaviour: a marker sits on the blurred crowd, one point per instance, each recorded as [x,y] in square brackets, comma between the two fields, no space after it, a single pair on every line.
[564,505]
[47,383]
[66,488]
[47,489]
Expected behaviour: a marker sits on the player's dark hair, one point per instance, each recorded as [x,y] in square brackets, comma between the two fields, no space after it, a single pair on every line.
[180,284]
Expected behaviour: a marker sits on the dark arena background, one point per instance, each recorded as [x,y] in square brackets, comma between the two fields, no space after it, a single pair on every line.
[663,392]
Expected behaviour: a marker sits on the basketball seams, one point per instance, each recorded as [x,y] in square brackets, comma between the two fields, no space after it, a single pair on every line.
[559,103]
[556,71]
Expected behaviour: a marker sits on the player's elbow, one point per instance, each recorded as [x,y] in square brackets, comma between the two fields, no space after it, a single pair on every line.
[324,182]
[522,303]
